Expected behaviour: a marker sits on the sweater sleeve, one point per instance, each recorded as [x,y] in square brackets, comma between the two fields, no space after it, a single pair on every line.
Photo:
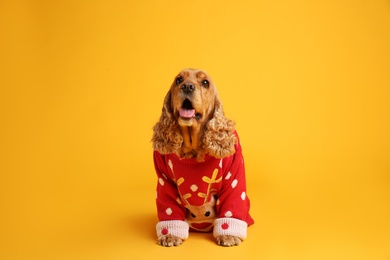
[171,211]
[233,203]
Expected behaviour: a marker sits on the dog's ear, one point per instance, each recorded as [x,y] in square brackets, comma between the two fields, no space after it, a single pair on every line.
[166,135]
[219,137]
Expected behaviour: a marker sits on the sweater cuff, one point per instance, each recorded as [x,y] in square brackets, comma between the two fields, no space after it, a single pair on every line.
[230,227]
[177,228]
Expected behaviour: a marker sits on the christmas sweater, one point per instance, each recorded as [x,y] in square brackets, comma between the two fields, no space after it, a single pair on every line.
[202,196]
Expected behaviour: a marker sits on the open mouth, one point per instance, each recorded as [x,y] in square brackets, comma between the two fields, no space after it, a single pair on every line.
[187,110]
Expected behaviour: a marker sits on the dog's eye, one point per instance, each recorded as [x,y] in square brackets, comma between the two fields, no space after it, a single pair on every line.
[205,83]
[179,80]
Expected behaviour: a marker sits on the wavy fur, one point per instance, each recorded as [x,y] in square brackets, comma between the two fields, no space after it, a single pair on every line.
[219,138]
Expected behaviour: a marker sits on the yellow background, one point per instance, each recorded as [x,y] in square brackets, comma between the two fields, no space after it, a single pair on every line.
[82,84]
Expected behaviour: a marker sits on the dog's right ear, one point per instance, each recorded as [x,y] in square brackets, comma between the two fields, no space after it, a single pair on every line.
[166,134]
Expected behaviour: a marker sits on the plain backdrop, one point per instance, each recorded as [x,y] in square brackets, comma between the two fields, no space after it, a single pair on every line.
[82,84]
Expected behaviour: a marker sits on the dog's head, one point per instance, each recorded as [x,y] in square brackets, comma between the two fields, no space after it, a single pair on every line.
[193,97]
[192,122]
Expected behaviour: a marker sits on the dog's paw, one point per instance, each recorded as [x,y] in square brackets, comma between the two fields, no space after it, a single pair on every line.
[169,241]
[228,241]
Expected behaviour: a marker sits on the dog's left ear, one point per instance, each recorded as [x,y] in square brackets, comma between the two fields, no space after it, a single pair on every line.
[219,137]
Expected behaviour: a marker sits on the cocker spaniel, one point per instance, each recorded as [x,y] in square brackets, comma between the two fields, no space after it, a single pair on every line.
[199,164]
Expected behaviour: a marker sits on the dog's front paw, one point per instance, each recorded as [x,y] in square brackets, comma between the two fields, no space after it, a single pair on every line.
[169,240]
[228,240]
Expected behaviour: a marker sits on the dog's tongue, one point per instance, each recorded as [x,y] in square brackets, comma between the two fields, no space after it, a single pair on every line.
[186,113]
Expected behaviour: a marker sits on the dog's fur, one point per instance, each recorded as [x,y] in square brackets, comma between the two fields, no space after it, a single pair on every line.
[207,131]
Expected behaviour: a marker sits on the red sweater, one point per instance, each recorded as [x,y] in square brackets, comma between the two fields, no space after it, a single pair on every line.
[202,195]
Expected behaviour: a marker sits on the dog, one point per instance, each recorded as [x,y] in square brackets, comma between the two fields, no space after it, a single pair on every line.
[199,164]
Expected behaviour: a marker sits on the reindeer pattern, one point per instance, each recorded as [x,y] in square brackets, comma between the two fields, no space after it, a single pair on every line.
[201,197]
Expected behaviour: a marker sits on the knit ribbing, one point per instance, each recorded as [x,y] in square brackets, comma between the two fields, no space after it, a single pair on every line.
[177,228]
[230,227]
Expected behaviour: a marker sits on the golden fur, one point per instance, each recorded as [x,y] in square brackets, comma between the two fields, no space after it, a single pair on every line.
[208,131]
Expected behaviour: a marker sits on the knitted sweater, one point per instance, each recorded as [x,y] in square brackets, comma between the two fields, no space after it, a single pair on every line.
[201,196]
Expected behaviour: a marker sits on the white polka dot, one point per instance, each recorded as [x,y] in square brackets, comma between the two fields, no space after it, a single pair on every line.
[228,175]
[168,211]
[161,181]
[170,164]
[165,177]
[194,187]
[234,183]
[220,164]
[228,214]
[243,195]
[218,202]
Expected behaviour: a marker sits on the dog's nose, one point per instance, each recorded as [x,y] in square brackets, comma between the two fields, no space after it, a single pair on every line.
[187,87]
